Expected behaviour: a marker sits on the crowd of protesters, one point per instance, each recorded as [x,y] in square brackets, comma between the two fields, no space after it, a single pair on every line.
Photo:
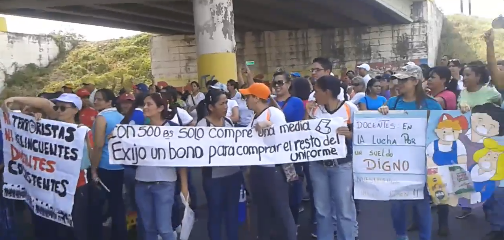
[251,101]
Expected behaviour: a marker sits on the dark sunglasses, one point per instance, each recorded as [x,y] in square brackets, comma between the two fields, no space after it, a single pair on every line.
[61,108]
[278,83]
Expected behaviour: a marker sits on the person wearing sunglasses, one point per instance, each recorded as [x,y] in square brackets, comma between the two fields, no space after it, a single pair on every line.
[293,109]
[66,109]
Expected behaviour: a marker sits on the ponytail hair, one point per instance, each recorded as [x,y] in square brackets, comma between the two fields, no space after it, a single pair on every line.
[211,98]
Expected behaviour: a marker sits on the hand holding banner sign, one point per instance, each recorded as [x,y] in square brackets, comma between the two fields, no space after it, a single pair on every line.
[42,164]
[389,155]
[310,140]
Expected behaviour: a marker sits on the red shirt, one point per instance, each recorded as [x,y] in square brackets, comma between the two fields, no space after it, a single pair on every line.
[87,116]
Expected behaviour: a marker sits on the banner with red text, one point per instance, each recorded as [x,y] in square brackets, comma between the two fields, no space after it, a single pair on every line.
[42,164]
[389,155]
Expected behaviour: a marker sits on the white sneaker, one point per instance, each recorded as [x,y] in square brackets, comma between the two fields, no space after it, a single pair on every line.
[108,223]
[175,234]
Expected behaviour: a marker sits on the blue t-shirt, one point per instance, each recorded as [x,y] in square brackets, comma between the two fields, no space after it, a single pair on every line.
[373,104]
[293,110]
[137,118]
[113,117]
[428,104]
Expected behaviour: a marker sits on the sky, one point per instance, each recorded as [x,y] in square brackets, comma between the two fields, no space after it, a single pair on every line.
[481,8]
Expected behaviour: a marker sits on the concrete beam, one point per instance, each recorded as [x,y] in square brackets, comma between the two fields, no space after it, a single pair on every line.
[138,11]
[64,17]
[399,10]
[10,4]
[107,15]
[293,21]
[320,20]
[274,17]
[240,22]
[353,9]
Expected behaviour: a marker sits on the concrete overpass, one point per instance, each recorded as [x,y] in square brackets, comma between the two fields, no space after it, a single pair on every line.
[199,38]
[176,16]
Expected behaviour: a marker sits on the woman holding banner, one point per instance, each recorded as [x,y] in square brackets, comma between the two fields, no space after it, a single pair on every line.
[221,184]
[155,187]
[411,97]
[331,178]
[268,183]
[66,109]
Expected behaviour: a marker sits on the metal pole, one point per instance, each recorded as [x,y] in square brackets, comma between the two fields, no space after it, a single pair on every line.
[461,6]
[470,7]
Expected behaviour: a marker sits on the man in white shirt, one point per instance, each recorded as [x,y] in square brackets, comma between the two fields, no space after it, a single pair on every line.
[322,67]
[364,72]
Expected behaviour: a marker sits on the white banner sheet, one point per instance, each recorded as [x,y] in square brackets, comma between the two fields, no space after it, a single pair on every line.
[310,140]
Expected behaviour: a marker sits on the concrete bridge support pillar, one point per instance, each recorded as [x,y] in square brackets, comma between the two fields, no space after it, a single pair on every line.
[215,40]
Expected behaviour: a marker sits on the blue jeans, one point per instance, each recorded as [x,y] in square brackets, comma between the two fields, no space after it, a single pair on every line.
[223,195]
[495,210]
[154,202]
[332,192]
[424,218]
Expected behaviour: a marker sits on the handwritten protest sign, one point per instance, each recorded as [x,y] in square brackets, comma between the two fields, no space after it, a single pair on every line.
[389,155]
[303,141]
[42,164]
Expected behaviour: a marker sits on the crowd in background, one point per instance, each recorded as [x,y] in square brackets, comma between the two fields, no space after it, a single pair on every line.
[251,101]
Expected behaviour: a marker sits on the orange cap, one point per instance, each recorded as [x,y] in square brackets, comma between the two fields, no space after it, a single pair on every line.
[83,93]
[259,90]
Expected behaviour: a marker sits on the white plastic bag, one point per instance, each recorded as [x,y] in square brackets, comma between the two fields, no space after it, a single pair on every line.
[187,220]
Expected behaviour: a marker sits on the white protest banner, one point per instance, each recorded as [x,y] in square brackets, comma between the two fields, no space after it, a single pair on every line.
[42,164]
[389,155]
[303,141]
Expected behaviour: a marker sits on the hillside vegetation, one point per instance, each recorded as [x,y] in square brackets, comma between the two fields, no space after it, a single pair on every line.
[123,62]
[111,64]
[462,38]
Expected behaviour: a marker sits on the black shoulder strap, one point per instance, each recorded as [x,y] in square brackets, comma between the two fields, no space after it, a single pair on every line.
[286,101]
[395,104]
[229,121]
[207,122]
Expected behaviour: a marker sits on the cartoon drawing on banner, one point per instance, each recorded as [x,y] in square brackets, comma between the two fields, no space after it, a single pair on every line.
[465,153]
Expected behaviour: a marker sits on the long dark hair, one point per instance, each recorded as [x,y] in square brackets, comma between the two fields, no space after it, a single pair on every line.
[166,113]
[334,85]
[108,96]
[370,84]
[211,98]
[300,87]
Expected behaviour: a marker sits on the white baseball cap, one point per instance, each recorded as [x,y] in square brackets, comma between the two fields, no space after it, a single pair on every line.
[70,98]
[364,66]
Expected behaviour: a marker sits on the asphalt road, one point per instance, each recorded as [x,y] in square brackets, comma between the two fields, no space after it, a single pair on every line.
[374,222]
